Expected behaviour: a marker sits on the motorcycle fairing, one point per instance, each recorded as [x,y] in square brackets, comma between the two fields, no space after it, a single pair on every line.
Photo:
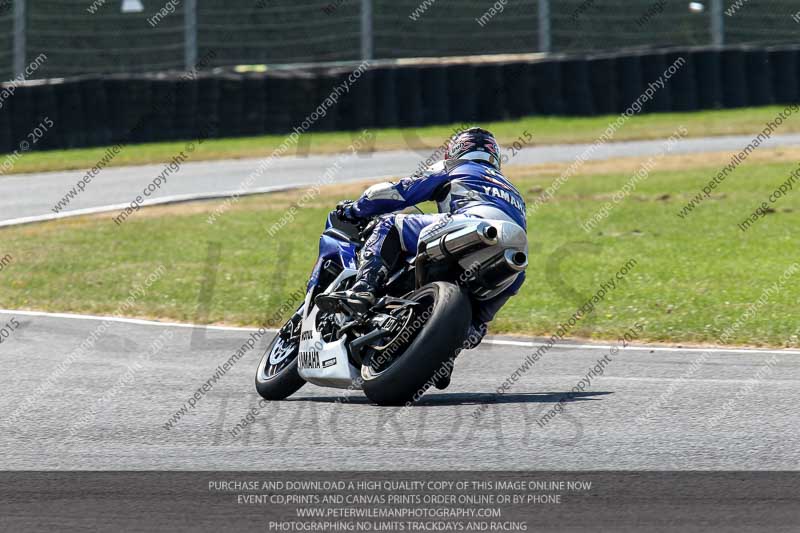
[324,363]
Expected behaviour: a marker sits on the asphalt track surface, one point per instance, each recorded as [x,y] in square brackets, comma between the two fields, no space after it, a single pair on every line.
[34,195]
[651,410]
[605,428]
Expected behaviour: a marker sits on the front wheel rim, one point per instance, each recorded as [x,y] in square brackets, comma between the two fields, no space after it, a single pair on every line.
[282,352]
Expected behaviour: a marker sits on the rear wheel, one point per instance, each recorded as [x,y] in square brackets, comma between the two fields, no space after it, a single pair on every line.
[403,369]
[277,377]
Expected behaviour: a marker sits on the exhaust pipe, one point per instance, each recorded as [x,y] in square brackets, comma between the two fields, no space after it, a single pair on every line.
[502,267]
[516,260]
[462,242]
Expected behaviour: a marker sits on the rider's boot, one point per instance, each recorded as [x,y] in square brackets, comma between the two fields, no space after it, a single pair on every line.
[441,380]
[475,334]
[372,274]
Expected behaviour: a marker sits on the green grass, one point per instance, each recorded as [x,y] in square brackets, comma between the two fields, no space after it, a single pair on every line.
[545,130]
[693,277]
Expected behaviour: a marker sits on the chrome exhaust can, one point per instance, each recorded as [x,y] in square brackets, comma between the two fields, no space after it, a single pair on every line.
[461,242]
[502,267]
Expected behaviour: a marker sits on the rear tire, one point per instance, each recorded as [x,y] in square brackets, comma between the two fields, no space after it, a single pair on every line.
[411,373]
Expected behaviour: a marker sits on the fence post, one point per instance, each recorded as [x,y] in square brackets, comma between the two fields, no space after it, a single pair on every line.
[717,23]
[190,35]
[366,30]
[19,38]
[545,42]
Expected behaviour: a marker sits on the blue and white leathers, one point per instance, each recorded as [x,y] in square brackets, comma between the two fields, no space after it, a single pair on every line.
[461,189]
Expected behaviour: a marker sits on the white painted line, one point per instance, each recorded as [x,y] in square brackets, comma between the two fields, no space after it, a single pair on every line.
[156,201]
[499,342]
[697,380]
[123,320]
[527,344]
[175,199]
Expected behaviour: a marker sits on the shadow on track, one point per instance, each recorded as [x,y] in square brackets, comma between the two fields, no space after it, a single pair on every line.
[469,398]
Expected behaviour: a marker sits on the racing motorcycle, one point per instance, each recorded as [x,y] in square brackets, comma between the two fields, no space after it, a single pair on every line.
[393,350]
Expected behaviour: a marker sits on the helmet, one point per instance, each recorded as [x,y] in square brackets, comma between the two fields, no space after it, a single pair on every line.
[474,144]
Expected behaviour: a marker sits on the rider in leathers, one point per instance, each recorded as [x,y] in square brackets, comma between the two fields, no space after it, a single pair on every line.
[467,183]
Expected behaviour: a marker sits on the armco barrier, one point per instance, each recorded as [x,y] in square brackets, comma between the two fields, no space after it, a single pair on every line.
[409,97]
[231,106]
[518,91]
[547,88]
[734,78]
[255,105]
[187,116]
[653,67]
[96,117]
[784,68]
[576,88]
[491,104]
[683,85]
[44,107]
[604,84]
[759,79]
[629,79]
[462,91]
[6,145]
[708,78]
[163,123]
[385,93]
[279,113]
[95,111]
[364,99]
[433,81]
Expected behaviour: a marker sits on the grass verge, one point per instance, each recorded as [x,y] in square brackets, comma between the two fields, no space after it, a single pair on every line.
[545,130]
[692,280]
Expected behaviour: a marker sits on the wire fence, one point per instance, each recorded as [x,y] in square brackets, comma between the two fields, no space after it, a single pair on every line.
[116,36]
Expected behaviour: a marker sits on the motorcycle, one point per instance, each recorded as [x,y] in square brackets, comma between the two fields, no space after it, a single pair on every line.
[394,350]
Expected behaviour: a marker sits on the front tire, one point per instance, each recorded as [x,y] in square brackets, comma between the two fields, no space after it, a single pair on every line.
[411,373]
[277,377]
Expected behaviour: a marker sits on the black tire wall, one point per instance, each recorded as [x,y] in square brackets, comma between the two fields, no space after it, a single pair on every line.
[98,111]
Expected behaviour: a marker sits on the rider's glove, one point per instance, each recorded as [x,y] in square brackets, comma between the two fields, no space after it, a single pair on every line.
[345,210]
[475,335]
